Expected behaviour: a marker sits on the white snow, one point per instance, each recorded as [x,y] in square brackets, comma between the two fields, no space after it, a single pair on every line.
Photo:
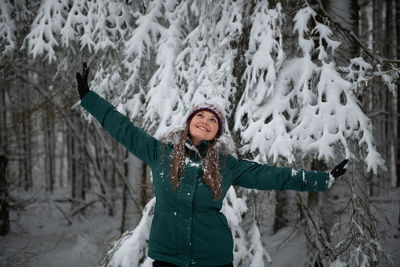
[190,163]
[41,236]
[293,107]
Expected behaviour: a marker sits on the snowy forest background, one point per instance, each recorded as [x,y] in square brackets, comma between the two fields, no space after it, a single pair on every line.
[304,84]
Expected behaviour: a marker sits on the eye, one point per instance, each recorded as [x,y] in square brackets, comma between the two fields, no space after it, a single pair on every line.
[200,115]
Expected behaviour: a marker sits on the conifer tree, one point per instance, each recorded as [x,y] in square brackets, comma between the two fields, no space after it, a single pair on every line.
[155,59]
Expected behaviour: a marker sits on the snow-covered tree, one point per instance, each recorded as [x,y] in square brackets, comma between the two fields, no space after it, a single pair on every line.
[290,107]
[287,96]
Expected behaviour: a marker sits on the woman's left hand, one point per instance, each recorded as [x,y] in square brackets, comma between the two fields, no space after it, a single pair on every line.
[83,86]
[339,169]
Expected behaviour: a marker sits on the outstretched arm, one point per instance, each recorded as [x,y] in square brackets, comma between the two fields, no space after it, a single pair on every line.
[264,177]
[119,126]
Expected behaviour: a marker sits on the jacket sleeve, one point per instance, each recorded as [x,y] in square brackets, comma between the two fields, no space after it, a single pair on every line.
[139,143]
[264,177]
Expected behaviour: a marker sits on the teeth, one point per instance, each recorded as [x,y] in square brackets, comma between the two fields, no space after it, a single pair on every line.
[203,128]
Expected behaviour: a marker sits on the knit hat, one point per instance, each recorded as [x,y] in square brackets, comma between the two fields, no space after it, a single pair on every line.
[213,108]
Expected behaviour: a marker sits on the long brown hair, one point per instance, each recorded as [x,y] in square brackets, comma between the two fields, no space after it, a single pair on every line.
[211,168]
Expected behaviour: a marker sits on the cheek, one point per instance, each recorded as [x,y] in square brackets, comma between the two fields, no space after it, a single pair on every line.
[191,126]
[193,121]
[215,128]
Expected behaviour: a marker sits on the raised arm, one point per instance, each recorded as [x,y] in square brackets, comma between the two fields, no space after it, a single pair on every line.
[264,177]
[138,142]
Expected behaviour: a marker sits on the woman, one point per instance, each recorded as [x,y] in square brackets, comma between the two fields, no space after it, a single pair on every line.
[191,176]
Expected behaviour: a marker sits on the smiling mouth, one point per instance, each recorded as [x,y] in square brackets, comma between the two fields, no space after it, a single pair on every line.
[202,128]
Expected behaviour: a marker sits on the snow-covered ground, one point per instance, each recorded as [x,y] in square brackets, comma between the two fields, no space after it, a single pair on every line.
[42,237]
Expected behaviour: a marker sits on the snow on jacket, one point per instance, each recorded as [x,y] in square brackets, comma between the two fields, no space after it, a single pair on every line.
[188,228]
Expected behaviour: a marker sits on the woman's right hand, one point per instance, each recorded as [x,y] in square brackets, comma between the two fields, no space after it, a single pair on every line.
[83,86]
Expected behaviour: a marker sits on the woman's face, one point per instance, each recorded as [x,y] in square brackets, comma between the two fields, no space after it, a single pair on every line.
[203,126]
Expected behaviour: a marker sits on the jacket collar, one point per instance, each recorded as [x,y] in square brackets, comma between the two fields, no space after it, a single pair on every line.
[201,150]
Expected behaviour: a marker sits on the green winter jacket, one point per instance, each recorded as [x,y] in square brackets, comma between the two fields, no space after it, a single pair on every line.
[188,228]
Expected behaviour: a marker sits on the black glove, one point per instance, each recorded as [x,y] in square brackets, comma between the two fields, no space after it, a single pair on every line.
[339,170]
[83,86]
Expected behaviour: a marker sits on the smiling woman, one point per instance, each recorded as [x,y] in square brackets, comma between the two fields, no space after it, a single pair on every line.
[191,178]
[203,126]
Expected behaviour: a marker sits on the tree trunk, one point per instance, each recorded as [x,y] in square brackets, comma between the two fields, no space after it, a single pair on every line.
[103,170]
[82,163]
[397,23]
[124,209]
[109,175]
[379,96]
[69,154]
[73,164]
[143,193]
[63,155]
[4,210]
[19,133]
[355,24]
[125,194]
[281,211]
[26,141]
[241,46]
[49,141]
[27,130]
[3,115]
[370,97]
[392,101]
